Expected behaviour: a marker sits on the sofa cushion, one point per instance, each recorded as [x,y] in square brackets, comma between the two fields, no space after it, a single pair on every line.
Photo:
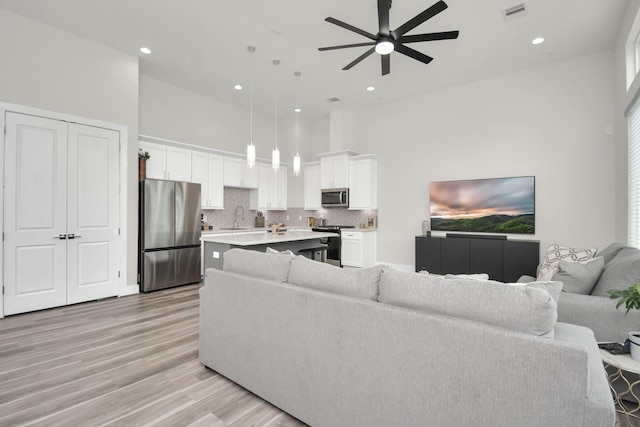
[557,252]
[359,283]
[258,264]
[621,272]
[579,277]
[611,251]
[523,308]
[476,276]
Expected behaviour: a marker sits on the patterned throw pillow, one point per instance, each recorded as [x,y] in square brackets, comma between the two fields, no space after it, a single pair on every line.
[557,252]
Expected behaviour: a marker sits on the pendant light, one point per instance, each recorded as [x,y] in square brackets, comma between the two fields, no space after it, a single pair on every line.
[275,156]
[296,158]
[251,149]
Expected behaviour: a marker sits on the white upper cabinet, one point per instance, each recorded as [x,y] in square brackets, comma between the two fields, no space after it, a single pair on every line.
[178,164]
[207,170]
[312,193]
[334,172]
[280,202]
[363,182]
[259,199]
[272,189]
[238,174]
[167,162]
[334,169]
[157,162]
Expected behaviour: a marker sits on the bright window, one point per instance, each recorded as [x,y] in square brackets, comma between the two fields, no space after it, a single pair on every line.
[637,52]
[633,121]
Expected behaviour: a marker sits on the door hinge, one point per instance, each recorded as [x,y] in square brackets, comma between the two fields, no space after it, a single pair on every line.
[118,273]
[118,188]
[118,231]
[3,290]
[5,129]
[3,236]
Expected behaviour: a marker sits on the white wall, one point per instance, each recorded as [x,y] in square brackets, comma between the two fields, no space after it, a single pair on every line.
[548,122]
[173,113]
[623,99]
[53,70]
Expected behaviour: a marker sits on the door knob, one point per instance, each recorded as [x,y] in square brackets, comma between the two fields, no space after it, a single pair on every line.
[61,236]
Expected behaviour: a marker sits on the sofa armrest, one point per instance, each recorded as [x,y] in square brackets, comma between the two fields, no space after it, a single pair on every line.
[598,314]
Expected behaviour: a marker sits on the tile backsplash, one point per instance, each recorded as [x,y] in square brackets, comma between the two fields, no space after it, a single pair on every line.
[233,197]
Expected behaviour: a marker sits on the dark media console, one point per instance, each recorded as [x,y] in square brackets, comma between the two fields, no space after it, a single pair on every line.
[504,260]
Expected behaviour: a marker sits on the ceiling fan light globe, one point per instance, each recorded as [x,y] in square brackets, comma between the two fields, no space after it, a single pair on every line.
[384,47]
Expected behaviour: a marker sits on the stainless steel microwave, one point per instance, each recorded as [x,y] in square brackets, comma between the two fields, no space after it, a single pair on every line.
[335,198]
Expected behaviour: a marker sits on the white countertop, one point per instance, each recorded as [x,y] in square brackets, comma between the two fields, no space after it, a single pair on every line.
[247,230]
[251,239]
[360,229]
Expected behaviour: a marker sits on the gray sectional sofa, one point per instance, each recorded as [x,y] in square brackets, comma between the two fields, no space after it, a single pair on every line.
[584,300]
[380,347]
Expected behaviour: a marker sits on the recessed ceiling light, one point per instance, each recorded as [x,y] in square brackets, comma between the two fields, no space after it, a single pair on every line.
[537,40]
[145,50]
[237,87]
[297,110]
[371,88]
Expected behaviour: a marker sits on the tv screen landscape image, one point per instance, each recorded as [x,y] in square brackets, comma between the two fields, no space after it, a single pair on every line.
[494,205]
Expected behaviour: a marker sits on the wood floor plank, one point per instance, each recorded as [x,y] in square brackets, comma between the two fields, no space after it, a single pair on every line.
[129,361]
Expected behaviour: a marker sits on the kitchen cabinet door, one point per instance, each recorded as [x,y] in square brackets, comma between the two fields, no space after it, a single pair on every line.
[363,184]
[207,170]
[277,199]
[156,164]
[282,189]
[312,192]
[358,248]
[259,198]
[238,174]
[334,172]
[166,162]
[216,182]
[178,164]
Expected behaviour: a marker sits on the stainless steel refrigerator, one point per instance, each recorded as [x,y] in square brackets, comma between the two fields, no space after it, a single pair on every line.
[169,234]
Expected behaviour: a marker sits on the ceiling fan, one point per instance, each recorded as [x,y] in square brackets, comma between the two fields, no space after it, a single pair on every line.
[387,41]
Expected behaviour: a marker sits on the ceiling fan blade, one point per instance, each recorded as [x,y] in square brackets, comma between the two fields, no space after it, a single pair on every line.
[350,28]
[419,19]
[445,35]
[383,17]
[413,53]
[386,64]
[345,46]
[359,58]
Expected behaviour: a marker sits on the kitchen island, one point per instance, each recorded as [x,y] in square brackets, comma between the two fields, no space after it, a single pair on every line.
[299,242]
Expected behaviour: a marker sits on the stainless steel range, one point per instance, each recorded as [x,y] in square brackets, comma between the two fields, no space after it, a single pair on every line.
[334,243]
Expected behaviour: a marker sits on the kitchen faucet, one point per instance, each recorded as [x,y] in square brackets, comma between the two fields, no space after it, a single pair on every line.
[235,216]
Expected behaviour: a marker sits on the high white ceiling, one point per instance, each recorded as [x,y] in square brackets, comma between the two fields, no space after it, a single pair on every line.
[201,45]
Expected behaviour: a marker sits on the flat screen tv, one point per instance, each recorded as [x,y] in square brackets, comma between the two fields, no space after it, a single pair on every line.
[494,205]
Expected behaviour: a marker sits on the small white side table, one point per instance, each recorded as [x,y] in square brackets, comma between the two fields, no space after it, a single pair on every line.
[622,364]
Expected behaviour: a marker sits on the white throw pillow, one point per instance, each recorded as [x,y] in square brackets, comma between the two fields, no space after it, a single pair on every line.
[556,253]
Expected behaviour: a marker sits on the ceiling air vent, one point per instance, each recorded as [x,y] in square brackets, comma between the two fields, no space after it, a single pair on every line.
[334,99]
[516,11]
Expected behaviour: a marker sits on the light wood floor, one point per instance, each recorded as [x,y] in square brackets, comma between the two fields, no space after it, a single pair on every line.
[130,361]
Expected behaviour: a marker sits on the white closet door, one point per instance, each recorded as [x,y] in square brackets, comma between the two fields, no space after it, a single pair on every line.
[35,213]
[92,225]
